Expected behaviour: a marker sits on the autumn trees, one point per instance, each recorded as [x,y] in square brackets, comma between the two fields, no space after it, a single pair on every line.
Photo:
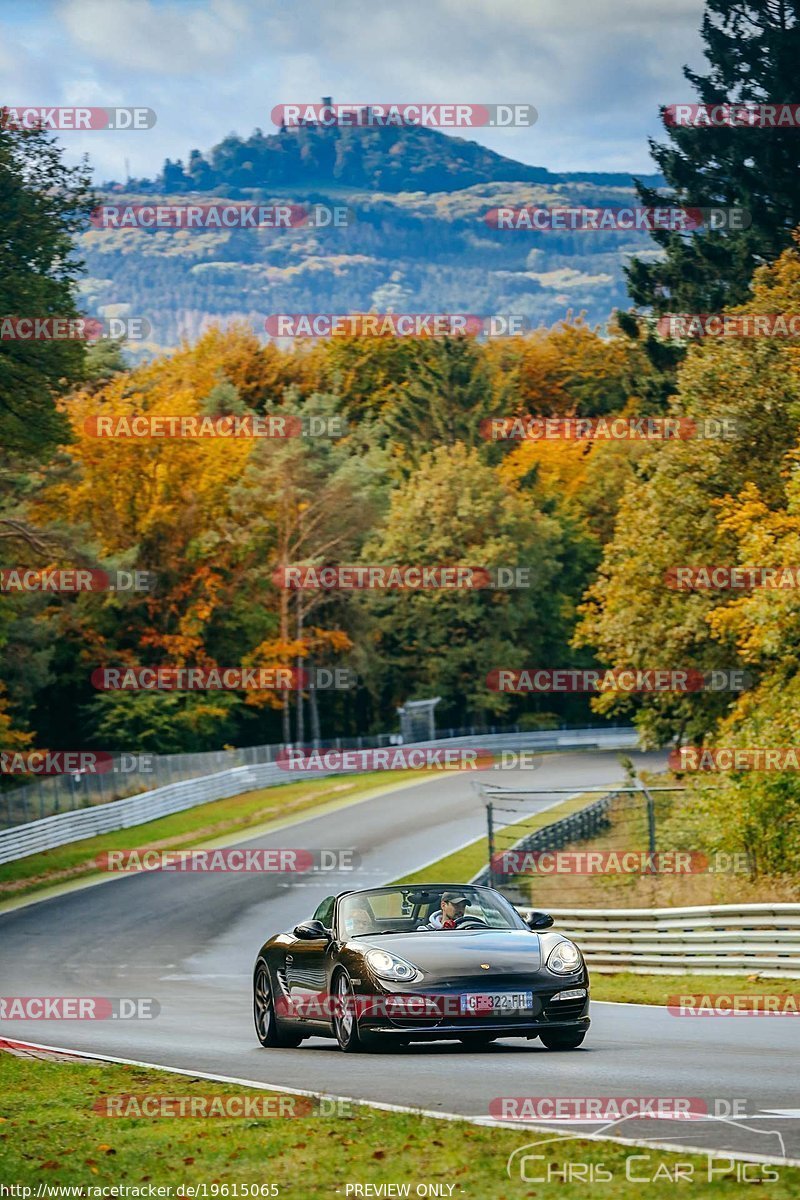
[726,500]
[216,519]
[389,465]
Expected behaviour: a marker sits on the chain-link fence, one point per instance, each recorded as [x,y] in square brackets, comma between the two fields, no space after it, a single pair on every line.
[625,847]
[130,774]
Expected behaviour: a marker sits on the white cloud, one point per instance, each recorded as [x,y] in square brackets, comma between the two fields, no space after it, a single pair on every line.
[176,38]
[596,70]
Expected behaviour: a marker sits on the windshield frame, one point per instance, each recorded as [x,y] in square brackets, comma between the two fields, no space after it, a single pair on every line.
[506,907]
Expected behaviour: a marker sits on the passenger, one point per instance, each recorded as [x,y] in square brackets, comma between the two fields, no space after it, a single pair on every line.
[359,920]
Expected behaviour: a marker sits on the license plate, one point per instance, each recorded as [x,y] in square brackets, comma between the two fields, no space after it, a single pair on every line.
[477,1003]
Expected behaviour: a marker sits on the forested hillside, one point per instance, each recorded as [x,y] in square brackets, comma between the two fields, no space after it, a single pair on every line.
[418,241]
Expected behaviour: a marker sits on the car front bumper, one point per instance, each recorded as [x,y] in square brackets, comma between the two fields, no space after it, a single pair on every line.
[546,1012]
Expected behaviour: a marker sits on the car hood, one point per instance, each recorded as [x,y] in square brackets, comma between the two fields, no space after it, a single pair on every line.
[511,951]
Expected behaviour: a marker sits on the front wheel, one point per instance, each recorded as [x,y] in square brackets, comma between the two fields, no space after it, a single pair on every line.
[268,1031]
[345,1022]
[563,1039]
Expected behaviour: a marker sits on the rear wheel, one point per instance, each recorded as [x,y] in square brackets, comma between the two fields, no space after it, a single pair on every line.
[563,1039]
[268,1030]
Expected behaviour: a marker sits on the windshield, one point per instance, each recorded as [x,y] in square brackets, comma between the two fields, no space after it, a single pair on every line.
[409,909]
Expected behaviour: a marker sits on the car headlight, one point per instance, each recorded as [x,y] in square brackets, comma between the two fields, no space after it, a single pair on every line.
[389,966]
[564,959]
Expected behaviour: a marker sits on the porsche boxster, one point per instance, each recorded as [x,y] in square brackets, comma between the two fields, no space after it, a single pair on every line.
[420,963]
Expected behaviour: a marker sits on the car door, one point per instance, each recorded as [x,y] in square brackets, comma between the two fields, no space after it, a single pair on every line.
[306,961]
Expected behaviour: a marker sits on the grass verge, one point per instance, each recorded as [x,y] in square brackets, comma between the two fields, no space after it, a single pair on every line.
[625,987]
[50,1134]
[194,827]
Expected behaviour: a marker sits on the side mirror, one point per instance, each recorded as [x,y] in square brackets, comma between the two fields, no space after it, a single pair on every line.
[539,920]
[311,931]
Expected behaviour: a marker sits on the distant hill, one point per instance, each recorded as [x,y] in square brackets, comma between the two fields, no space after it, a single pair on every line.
[419,242]
[395,159]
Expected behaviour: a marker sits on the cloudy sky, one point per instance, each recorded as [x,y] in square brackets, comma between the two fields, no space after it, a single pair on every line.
[596,70]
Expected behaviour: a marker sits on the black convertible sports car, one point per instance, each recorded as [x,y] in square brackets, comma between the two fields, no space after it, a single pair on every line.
[378,964]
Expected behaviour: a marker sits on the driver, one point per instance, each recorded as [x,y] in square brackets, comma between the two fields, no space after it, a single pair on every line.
[453,906]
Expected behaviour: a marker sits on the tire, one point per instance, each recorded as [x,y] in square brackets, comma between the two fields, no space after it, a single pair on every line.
[345,1021]
[563,1039]
[477,1041]
[268,1029]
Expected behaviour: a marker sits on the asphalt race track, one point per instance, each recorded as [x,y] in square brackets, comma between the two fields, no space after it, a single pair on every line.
[189,941]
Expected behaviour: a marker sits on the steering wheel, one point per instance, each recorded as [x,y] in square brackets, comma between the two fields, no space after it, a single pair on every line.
[470,923]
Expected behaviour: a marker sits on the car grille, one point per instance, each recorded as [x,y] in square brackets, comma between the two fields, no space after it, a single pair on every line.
[563,1010]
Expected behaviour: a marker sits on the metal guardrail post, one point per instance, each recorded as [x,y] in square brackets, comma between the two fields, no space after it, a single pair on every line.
[651,824]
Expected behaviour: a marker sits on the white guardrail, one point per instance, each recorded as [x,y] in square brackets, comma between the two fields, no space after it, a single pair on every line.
[49,832]
[722,939]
